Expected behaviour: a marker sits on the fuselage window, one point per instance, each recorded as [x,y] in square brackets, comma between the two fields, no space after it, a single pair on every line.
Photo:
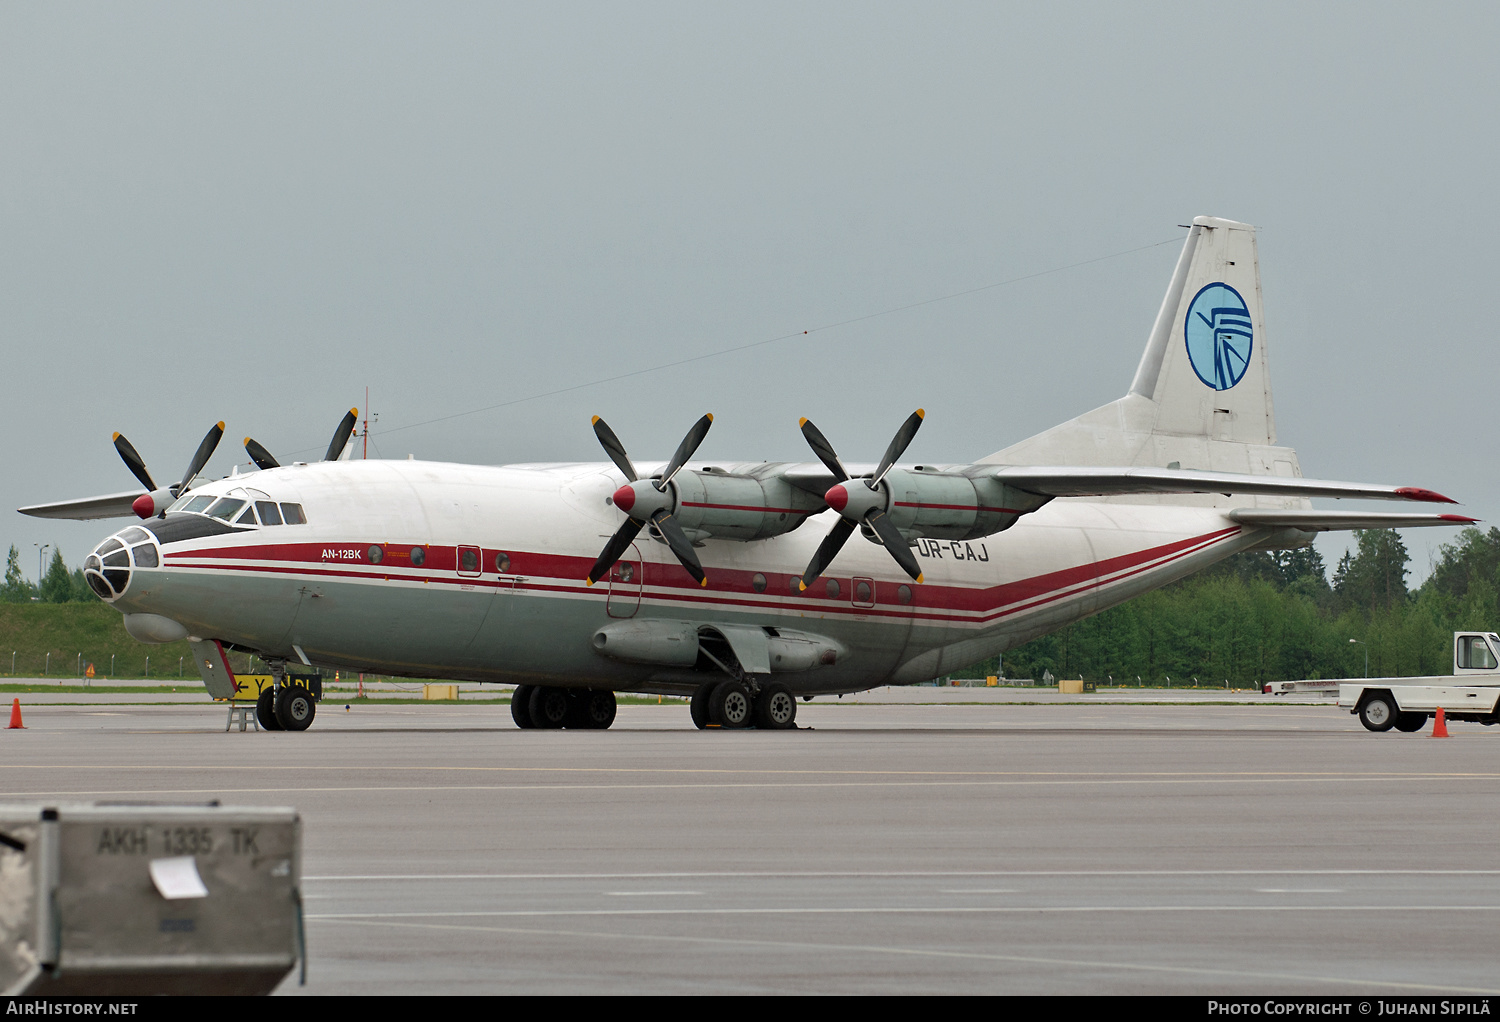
[502,563]
[269,515]
[758,582]
[862,592]
[291,514]
[833,589]
[225,508]
[418,556]
[468,560]
[903,593]
[198,503]
[248,518]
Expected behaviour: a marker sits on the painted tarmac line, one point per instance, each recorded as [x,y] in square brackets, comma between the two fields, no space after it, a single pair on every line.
[1067,963]
[901,874]
[703,785]
[801,910]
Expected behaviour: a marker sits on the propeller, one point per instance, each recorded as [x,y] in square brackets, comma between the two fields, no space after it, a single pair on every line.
[264,460]
[648,501]
[863,501]
[157,498]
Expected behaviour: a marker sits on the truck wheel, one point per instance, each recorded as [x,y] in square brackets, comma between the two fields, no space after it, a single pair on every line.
[1378,713]
[1410,722]
[730,705]
[775,708]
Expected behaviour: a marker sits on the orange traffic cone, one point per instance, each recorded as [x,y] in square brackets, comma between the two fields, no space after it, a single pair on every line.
[15,715]
[1440,725]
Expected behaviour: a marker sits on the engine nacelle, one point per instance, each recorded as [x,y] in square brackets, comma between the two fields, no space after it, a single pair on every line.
[740,507]
[676,644]
[942,505]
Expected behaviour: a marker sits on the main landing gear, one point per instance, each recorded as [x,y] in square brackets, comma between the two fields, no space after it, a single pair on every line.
[543,706]
[731,704]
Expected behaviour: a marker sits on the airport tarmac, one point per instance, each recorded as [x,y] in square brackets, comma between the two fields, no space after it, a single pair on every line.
[886,847]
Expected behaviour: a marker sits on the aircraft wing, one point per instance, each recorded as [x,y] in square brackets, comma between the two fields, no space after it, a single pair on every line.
[112,505]
[1086,481]
[1325,521]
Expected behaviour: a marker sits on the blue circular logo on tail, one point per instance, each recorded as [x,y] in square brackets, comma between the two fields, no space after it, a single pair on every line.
[1219,336]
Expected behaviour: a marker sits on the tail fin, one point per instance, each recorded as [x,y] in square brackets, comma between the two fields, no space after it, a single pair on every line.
[1201,397]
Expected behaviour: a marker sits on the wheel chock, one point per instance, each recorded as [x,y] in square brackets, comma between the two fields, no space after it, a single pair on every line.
[1439,725]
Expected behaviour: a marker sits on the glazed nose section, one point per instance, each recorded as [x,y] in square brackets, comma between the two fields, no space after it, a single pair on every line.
[109,568]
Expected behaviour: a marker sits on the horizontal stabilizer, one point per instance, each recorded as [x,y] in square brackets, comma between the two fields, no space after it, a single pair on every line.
[1327,521]
[1088,481]
[113,505]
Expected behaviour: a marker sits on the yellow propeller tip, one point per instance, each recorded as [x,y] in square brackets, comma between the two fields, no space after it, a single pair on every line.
[221,427]
[247,440]
[114,436]
[921,414]
[595,420]
[919,579]
[801,586]
[709,416]
[801,422]
[354,412]
[704,583]
[588,581]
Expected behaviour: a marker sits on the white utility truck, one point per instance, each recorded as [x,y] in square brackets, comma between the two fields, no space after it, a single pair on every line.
[1406,703]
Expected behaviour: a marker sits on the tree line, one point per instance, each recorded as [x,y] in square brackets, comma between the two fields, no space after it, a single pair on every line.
[1259,617]
[58,584]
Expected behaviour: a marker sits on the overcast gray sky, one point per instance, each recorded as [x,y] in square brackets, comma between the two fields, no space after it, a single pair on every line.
[251,212]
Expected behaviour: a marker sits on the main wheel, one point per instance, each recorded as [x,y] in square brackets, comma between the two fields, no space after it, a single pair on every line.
[775,708]
[698,708]
[1409,722]
[520,707]
[730,705]
[295,708]
[549,706]
[593,710]
[1378,713]
[265,710]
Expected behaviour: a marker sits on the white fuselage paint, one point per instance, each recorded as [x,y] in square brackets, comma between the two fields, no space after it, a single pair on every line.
[315,585]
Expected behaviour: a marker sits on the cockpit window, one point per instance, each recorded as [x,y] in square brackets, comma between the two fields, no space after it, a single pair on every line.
[248,518]
[292,514]
[145,555]
[196,504]
[134,535]
[269,515]
[225,508]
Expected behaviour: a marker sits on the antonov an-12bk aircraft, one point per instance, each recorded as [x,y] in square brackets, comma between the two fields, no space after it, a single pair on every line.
[742,584]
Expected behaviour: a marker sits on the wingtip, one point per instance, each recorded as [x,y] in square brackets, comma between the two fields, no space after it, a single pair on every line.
[1427,496]
[1459,519]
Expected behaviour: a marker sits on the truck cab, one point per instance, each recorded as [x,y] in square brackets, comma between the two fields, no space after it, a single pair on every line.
[1472,693]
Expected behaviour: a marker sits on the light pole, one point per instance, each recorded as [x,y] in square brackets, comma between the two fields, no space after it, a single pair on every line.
[1366,645]
[41,552]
